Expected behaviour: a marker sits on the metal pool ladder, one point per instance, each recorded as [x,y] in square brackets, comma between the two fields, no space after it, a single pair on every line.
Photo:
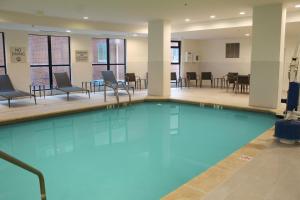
[29,168]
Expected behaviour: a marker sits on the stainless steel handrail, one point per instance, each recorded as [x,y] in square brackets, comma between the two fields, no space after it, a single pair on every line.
[27,167]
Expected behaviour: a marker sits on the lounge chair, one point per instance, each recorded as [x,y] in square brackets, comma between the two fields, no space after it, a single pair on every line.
[64,84]
[111,82]
[8,91]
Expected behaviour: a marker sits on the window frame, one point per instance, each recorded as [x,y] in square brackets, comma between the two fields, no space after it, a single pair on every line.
[50,65]
[179,50]
[4,53]
[108,63]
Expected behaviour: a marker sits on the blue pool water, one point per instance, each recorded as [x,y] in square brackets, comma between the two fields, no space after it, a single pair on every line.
[141,152]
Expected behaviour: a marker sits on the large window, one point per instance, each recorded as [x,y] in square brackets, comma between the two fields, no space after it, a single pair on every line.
[109,54]
[175,57]
[2,55]
[48,55]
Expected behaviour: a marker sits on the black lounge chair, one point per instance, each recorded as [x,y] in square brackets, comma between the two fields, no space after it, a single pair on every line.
[64,84]
[8,91]
[111,82]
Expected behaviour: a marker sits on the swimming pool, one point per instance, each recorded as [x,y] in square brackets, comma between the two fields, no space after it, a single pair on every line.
[143,151]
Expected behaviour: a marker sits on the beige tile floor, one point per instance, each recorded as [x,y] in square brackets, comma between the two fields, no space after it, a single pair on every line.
[273,173]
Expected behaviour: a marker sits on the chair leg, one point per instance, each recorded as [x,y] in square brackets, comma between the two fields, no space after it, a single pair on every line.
[34,99]
[68,96]
[89,94]
[8,102]
[117,96]
[105,93]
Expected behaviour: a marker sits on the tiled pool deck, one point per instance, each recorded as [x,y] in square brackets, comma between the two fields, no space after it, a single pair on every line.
[229,179]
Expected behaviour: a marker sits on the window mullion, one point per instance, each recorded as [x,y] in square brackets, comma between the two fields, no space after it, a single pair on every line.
[50,61]
[108,54]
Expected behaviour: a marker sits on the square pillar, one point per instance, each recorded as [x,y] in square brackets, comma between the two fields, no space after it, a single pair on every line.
[159,58]
[267,57]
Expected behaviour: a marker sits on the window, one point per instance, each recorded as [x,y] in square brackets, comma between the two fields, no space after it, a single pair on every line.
[175,57]
[2,55]
[109,54]
[99,51]
[232,50]
[48,55]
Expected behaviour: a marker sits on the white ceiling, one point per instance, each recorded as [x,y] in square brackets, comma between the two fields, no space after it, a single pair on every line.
[132,16]
[292,30]
[138,11]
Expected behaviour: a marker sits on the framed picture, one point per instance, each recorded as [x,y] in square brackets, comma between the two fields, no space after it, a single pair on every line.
[82,56]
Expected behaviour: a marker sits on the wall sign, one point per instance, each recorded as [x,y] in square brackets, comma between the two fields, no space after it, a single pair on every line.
[82,56]
[17,54]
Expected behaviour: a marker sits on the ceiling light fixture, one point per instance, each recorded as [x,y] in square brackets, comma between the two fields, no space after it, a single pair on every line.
[68,31]
[187,20]
[134,35]
[242,13]
[297,6]
[247,34]
[212,16]
[85,18]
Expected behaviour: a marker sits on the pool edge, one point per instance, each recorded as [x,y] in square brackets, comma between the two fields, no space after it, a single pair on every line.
[106,105]
[204,183]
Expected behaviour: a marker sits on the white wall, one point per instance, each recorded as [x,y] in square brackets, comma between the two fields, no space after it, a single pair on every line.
[212,57]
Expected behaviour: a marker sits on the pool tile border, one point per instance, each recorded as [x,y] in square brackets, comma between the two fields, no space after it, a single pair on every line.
[108,105]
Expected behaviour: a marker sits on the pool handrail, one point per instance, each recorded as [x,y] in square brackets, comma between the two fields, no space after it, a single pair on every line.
[29,168]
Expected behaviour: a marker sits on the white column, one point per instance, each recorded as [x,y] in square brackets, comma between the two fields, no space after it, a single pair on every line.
[268,34]
[81,71]
[159,61]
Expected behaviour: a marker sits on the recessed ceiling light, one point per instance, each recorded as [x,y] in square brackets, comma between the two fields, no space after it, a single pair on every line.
[212,16]
[297,6]
[85,17]
[242,13]
[187,20]
[68,31]
[247,34]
